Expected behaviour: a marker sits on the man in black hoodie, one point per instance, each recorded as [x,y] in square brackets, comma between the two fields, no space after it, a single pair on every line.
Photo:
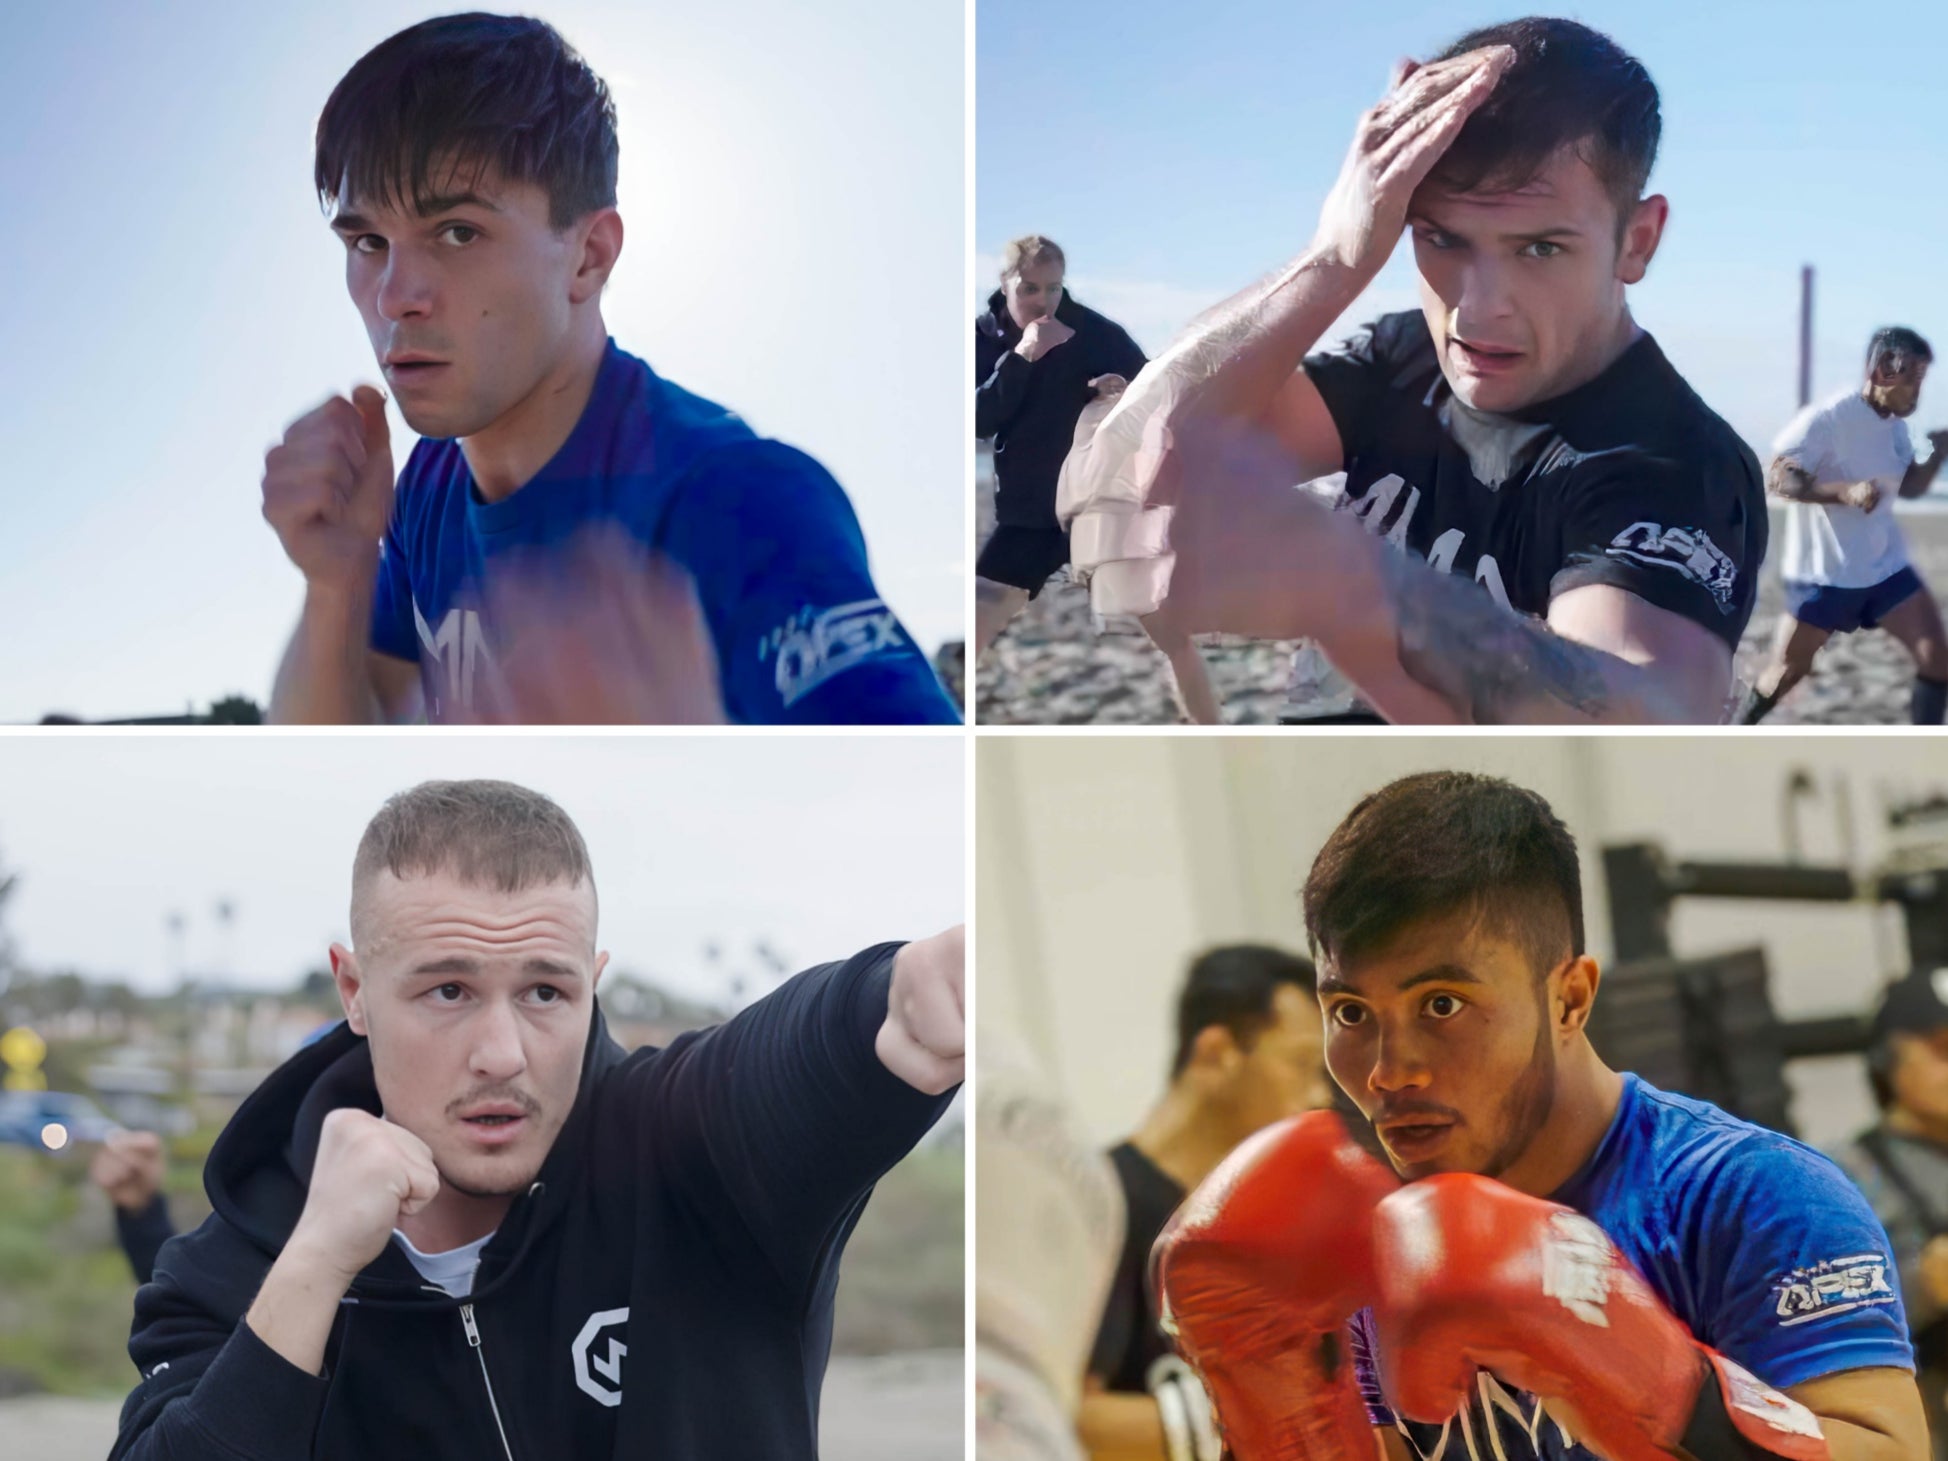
[1039,359]
[467,1224]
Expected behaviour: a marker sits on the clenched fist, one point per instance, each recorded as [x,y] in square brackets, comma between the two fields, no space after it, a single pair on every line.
[924,1039]
[369,1173]
[129,1168]
[328,488]
[1042,336]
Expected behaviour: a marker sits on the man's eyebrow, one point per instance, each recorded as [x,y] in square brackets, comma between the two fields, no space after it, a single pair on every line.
[1438,974]
[425,208]
[450,964]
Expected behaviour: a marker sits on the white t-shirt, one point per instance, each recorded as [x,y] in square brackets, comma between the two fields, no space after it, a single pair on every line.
[1843,439]
[452,1270]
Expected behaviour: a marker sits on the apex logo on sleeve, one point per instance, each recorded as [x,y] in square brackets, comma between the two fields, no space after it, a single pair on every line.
[812,645]
[1688,552]
[1837,1286]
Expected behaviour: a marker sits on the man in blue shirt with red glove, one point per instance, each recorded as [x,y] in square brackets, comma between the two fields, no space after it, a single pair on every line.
[575,538]
[1555,1260]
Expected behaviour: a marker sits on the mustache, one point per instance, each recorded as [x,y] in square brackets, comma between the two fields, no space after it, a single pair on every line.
[1407,1112]
[486,1094]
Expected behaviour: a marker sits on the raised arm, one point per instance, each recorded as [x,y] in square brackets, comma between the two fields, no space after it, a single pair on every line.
[1920,475]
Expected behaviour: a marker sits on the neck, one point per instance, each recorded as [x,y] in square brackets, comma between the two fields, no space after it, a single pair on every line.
[1621,337]
[1587,1095]
[1184,1139]
[1912,1123]
[504,455]
[1868,395]
[453,1219]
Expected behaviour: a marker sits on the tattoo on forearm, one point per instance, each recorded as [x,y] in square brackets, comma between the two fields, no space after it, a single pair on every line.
[1490,663]
[1792,482]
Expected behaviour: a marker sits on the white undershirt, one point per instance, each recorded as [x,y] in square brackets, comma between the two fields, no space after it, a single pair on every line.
[452,1270]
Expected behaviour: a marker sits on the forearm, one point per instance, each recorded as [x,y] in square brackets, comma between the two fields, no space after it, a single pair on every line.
[999,393]
[1231,361]
[293,1311]
[1437,635]
[1920,476]
[1120,1427]
[325,678]
[1790,482]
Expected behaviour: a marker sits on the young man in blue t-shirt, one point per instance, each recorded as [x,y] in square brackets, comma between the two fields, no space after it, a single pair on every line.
[575,538]
[1555,1260]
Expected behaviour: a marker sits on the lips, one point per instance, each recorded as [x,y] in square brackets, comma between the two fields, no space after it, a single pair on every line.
[1484,359]
[495,1125]
[1415,1140]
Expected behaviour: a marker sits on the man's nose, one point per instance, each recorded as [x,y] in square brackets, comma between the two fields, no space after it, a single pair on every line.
[497,1052]
[405,287]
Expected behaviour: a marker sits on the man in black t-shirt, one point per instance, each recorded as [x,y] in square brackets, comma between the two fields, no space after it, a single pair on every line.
[1249,1052]
[1581,533]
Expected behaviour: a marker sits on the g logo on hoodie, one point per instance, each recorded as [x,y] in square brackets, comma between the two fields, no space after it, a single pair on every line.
[599,1371]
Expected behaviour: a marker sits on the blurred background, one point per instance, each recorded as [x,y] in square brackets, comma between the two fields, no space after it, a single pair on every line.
[1213,133]
[794,208]
[166,904]
[1792,877]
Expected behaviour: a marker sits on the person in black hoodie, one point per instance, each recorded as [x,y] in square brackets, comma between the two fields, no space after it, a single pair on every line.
[1039,359]
[467,1224]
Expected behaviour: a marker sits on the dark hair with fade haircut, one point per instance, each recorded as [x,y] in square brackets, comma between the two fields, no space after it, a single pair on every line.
[1898,341]
[462,92]
[1569,86]
[488,834]
[1233,986]
[1442,842]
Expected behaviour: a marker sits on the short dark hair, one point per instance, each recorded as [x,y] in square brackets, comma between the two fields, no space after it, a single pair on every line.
[1897,340]
[1233,986]
[1568,86]
[466,92]
[1443,842]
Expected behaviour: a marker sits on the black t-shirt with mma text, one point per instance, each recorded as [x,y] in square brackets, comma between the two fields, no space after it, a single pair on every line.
[1629,479]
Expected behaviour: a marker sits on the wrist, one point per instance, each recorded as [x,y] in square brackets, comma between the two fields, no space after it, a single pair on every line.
[1024,352]
[308,1264]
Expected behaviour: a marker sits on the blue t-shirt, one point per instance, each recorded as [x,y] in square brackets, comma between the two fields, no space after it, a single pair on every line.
[1760,1244]
[767,535]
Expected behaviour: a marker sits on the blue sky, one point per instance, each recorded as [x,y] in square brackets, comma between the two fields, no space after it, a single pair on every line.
[791,189]
[1178,152]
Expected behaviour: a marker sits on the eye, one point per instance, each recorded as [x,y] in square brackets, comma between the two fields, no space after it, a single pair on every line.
[1348,1015]
[553,995]
[1436,238]
[447,994]
[1541,248]
[1444,1006]
[358,244]
[466,228]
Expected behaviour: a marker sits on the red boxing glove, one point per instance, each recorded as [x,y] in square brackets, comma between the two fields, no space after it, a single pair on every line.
[1258,1273]
[1473,1274]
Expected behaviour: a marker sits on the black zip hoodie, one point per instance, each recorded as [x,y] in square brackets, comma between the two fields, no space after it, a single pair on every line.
[664,1287]
[1030,407]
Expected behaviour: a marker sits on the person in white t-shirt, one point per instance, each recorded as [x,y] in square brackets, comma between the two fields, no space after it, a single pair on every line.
[1839,465]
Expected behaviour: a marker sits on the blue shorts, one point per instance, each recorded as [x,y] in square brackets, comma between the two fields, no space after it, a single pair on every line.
[1843,610]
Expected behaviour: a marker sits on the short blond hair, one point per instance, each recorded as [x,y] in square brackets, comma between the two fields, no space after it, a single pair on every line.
[1031,249]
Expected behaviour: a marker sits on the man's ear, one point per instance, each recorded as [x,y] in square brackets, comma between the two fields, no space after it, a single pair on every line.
[1576,994]
[346,975]
[601,246]
[1642,232]
[601,963]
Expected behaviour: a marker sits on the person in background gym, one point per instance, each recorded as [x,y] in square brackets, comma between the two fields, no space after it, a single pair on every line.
[1901,1164]
[1249,1052]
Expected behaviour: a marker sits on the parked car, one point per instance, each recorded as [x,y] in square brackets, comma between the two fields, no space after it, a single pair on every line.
[50,1120]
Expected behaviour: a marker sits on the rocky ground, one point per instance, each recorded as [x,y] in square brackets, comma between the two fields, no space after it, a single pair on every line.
[1052,668]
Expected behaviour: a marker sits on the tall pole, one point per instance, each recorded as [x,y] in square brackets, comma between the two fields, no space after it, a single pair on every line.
[1805,334]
